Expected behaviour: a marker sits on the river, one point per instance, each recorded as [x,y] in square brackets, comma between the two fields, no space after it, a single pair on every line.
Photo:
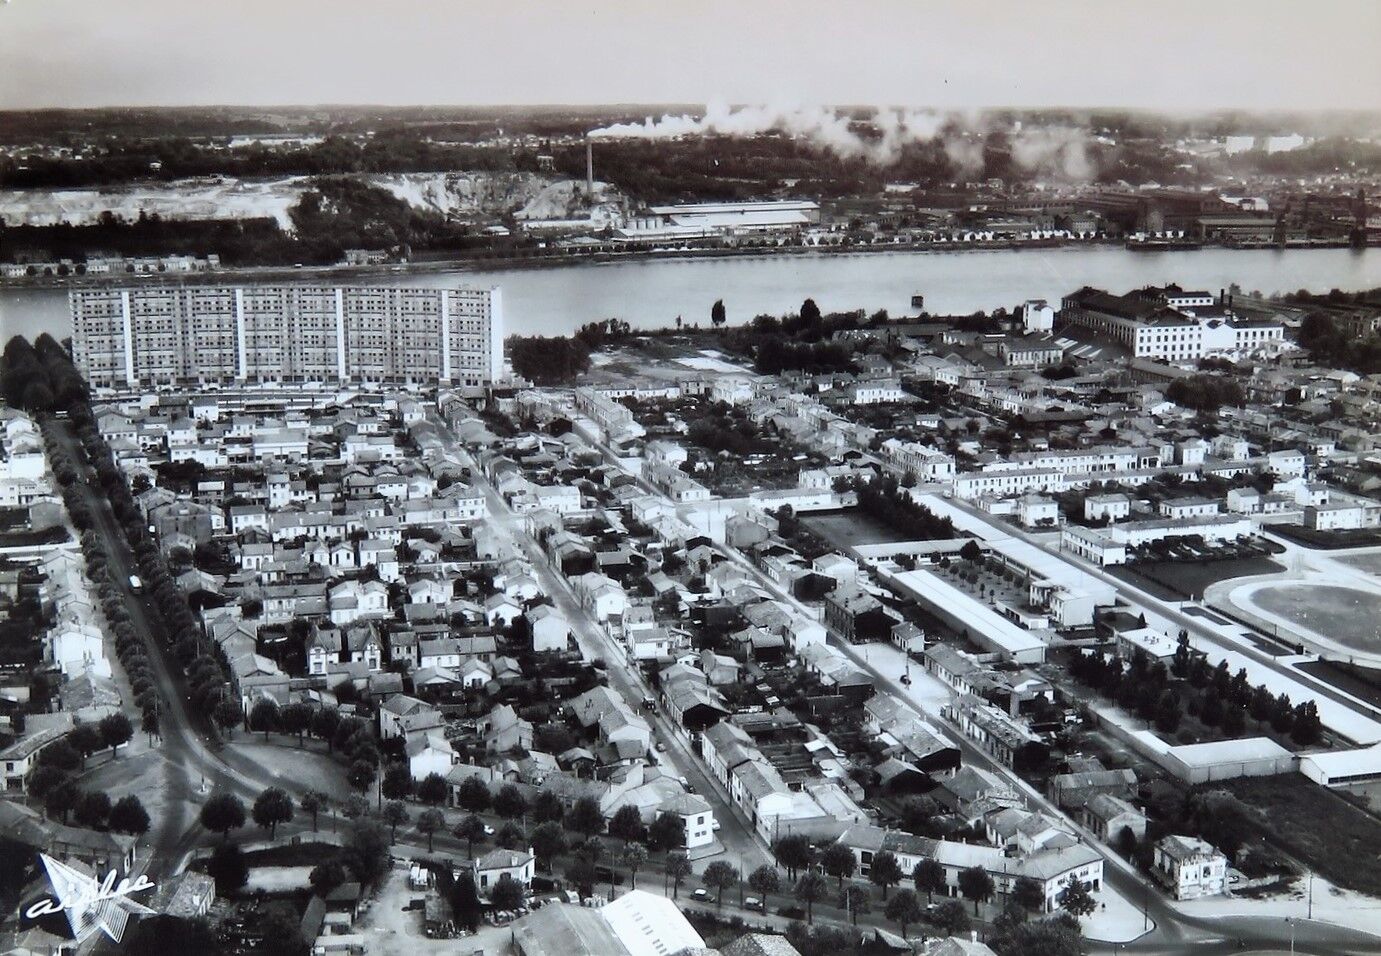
[651,293]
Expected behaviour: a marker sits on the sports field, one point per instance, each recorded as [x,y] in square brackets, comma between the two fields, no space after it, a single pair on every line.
[1349,616]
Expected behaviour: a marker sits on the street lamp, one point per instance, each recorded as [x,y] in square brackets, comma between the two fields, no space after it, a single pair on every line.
[1291,921]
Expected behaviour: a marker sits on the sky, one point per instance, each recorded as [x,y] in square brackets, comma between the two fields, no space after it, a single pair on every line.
[1189,55]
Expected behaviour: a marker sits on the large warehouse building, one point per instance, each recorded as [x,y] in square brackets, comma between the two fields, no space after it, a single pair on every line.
[223,334]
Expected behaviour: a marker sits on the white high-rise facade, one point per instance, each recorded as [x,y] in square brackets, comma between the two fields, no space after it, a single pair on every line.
[201,334]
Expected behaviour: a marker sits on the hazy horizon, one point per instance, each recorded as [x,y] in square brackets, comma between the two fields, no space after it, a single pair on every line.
[1178,56]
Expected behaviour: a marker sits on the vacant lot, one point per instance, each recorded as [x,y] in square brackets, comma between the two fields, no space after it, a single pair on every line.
[1174,580]
[1317,827]
[844,529]
[1329,540]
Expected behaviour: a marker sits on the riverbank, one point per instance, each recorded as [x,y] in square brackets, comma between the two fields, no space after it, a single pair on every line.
[610,253]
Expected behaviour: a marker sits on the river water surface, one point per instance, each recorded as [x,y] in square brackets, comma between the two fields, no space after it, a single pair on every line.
[652,293]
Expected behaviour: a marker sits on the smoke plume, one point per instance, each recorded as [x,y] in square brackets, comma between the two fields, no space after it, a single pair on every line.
[1055,152]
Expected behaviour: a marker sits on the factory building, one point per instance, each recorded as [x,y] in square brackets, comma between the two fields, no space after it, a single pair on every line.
[704,220]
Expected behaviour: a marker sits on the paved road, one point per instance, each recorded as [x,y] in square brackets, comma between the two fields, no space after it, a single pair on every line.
[189,756]
[742,846]
[1173,931]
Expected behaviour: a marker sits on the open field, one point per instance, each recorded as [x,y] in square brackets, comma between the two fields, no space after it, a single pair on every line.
[1316,826]
[1347,615]
[843,529]
[1176,580]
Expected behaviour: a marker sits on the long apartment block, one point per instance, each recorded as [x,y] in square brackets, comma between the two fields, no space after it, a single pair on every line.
[127,336]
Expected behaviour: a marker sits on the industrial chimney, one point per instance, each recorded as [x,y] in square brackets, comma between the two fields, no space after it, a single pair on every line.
[590,169]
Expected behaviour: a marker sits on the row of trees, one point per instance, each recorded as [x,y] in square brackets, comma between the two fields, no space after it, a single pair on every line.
[1215,695]
[39,377]
[888,503]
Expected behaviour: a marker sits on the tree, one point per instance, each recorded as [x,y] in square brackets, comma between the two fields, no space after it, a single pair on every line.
[86,739]
[1076,900]
[721,875]
[885,871]
[634,855]
[548,842]
[93,809]
[717,314]
[395,814]
[473,795]
[627,824]
[976,885]
[585,817]
[313,802]
[264,715]
[507,893]
[809,888]
[60,754]
[1028,894]
[128,816]
[839,862]
[678,867]
[509,802]
[273,807]
[296,718]
[116,730]
[149,724]
[793,852]
[1306,729]
[354,806]
[324,724]
[222,812]
[470,829]
[282,928]
[971,551]
[1057,936]
[855,900]
[433,789]
[429,822]
[950,918]
[325,877]
[511,836]
[465,903]
[397,782]
[228,868]
[227,715]
[581,874]
[764,881]
[360,775]
[546,807]
[905,909]
[367,852]
[668,832]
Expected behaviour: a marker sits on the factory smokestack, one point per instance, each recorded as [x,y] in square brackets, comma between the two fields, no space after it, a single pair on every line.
[590,169]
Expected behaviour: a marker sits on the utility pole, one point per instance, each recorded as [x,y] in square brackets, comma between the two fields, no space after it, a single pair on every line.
[1311,894]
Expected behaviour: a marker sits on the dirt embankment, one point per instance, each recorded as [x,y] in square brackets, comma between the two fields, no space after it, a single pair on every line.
[462,196]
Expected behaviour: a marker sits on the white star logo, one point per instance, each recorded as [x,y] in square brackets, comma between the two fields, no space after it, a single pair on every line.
[89,905]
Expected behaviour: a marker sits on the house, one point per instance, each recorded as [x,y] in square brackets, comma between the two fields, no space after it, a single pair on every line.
[398,712]
[20,757]
[1189,867]
[696,813]
[493,866]
[1073,790]
[501,610]
[429,753]
[505,731]
[550,632]
[1107,816]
